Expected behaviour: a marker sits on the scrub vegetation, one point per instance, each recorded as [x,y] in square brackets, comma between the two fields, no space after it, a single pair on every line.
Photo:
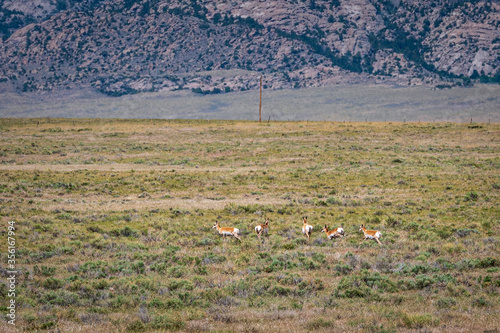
[114,225]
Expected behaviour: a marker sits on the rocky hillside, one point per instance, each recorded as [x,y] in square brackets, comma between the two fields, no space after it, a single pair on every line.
[128,46]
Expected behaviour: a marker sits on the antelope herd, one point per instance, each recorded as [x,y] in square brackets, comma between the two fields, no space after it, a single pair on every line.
[339,232]
[262,228]
[227,231]
[370,234]
[307,229]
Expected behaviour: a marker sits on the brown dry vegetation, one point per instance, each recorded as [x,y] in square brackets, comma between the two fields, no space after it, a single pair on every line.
[114,225]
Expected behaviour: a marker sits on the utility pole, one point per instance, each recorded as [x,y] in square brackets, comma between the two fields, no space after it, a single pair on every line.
[260,101]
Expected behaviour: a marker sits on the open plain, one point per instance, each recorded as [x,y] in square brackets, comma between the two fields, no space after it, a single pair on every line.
[114,225]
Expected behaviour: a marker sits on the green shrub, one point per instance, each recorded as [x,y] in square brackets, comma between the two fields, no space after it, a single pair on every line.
[467,264]
[308,263]
[125,232]
[173,303]
[471,196]
[445,302]
[201,270]
[487,262]
[412,226]
[95,269]
[276,265]
[212,258]
[138,266]
[461,233]
[333,201]
[342,269]
[44,270]
[60,297]
[444,232]
[159,267]
[278,290]
[418,269]
[176,272]
[118,302]
[205,242]
[423,281]
[480,302]
[47,325]
[52,283]
[393,222]
[423,256]
[180,284]
[136,326]
[319,257]
[364,284]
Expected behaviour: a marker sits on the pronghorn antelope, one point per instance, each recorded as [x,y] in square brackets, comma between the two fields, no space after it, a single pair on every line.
[262,228]
[370,234]
[331,234]
[227,231]
[307,228]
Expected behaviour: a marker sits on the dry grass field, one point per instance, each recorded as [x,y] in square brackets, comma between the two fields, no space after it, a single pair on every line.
[114,225]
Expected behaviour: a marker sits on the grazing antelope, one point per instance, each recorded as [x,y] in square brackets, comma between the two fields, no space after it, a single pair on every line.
[227,231]
[307,228]
[335,233]
[370,234]
[262,228]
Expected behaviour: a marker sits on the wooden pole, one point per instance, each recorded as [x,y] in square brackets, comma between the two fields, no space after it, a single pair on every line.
[260,101]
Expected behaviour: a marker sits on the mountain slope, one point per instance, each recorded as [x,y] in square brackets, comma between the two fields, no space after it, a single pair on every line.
[127,46]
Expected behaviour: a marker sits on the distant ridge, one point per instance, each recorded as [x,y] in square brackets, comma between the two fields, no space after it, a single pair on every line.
[123,46]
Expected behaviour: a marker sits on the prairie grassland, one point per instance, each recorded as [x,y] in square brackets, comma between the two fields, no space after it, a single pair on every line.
[114,225]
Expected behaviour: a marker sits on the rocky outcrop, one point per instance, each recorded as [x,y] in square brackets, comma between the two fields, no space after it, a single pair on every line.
[460,37]
[126,46]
